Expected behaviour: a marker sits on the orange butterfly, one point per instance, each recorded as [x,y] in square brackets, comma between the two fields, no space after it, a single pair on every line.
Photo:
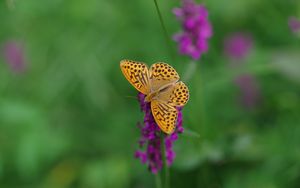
[161,87]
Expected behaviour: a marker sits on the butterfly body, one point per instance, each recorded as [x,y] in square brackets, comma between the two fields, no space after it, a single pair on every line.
[151,96]
[156,94]
[162,88]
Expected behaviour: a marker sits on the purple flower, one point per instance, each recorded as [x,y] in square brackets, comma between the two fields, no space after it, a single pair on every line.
[249,90]
[151,139]
[13,52]
[237,46]
[193,40]
[294,24]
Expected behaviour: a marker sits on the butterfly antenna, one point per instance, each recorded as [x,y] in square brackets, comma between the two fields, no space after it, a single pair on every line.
[132,97]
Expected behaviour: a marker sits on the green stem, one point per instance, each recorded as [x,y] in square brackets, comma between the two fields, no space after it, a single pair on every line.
[10,4]
[158,180]
[190,70]
[165,165]
[203,106]
[164,29]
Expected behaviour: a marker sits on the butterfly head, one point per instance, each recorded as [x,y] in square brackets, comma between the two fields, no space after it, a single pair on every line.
[150,97]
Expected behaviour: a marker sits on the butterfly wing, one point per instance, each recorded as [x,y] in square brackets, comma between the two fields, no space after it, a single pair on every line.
[137,74]
[165,115]
[162,74]
[176,94]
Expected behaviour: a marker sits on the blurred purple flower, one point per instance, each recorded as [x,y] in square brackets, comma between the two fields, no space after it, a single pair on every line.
[193,40]
[249,90]
[237,46]
[151,138]
[13,52]
[294,24]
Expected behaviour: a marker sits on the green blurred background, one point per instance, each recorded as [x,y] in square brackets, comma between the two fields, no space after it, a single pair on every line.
[69,118]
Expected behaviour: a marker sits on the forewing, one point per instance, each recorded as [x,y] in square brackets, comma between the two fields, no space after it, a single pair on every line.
[165,115]
[162,74]
[176,94]
[137,74]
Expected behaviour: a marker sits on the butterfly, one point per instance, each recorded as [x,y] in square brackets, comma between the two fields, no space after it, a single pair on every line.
[160,83]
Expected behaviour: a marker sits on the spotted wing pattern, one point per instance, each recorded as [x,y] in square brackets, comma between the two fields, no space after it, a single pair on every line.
[165,115]
[162,74]
[137,74]
[176,94]
[180,94]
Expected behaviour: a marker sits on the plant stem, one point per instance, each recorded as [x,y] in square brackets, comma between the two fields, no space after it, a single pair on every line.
[158,180]
[203,106]
[165,165]
[10,4]
[164,30]
[190,70]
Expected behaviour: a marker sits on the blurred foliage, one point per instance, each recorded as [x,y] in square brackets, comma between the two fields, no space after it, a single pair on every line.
[69,120]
